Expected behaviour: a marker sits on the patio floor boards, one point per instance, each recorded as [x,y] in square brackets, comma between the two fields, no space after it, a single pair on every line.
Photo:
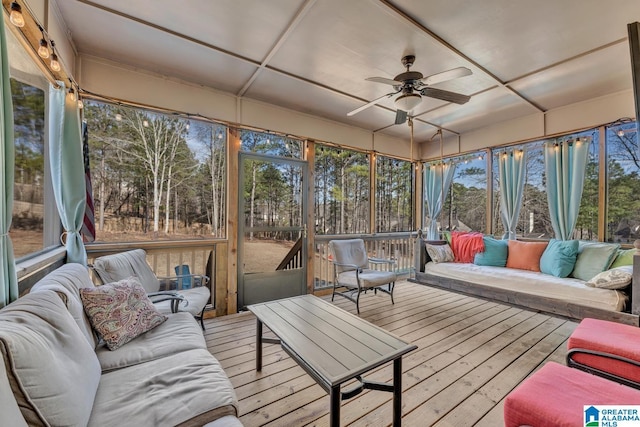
[471,354]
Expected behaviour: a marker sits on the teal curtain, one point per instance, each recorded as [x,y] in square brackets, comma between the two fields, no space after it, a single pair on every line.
[8,277]
[437,180]
[511,168]
[65,150]
[565,165]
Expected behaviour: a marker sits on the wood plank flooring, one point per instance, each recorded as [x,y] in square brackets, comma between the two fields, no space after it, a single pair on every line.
[471,354]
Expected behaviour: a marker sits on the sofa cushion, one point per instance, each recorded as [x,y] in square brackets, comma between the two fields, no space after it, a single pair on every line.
[614,278]
[594,258]
[495,253]
[440,253]
[53,370]
[193,381]
[68,280]
[111,268]
[559,258]
[179,333]
[624,257]
[525,255]
[120,311]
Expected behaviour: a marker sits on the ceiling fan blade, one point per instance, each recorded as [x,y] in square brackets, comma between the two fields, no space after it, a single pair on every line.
[401,117]
[454,73]
[369,104]
[445,95]
[384,80]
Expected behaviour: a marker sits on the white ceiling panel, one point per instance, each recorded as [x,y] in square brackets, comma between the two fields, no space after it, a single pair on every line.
[245,27]
[600,73]
[298,95]
[109,36]
[485,109]
[340,43]
[513,38]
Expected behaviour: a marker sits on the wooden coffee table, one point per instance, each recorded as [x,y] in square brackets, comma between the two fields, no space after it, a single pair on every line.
[333,346]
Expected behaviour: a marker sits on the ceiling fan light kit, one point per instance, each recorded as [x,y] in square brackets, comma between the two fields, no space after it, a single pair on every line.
[412,85]
[408,101]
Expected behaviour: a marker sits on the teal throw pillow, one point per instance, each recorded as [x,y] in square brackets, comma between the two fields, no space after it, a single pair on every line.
[594,258]
[495,253]
[559,258]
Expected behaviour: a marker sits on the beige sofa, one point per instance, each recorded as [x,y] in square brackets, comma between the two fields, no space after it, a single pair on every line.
[56,372]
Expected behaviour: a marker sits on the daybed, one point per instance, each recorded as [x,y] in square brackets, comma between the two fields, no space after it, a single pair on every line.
[56,372]
[568,297]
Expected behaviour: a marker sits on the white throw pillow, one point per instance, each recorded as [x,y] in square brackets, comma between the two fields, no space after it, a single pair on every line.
[616,278]
[440,253]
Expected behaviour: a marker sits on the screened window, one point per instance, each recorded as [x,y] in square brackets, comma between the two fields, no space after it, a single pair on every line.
[35,224]
[465,205]
[341,191]
[623,184]
[394,191]
[155,175]
[587,223]
[271,144]
[27,226]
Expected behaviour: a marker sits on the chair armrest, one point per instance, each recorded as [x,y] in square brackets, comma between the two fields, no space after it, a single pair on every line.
[337,264]
[175,299]
[382,261]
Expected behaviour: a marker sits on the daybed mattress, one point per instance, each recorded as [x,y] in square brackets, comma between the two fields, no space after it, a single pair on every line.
[533,283]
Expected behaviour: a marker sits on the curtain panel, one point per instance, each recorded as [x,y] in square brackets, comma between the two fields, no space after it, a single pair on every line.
[565,165]
[511,169]
[437,180]
[8,277]
[65,149]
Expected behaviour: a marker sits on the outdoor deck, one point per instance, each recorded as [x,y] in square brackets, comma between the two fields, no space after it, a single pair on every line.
[470,354]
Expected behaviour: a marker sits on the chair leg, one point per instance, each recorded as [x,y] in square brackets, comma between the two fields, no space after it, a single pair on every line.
[392,285]
[358,302]
[201,318]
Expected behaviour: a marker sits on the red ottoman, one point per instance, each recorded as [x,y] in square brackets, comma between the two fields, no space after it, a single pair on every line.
[555,396]
[608,349]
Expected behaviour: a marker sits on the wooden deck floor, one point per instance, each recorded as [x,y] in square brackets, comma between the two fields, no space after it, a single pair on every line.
[471,354]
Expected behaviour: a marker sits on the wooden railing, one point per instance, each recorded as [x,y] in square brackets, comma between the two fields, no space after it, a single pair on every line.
[396,246]
[164,256]
[293,259]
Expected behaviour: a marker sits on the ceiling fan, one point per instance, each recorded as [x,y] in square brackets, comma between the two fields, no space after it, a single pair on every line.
[413,85]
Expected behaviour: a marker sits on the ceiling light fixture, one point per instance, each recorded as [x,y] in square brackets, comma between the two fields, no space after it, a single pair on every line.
[408,101]
[16,16]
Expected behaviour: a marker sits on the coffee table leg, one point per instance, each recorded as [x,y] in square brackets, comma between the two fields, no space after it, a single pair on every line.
[334,410]
[397,392]
[258,345]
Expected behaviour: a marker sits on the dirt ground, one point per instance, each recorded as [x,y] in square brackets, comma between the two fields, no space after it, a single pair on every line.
[264,255]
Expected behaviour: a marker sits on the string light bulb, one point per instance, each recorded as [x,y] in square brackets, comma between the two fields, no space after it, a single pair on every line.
[80,103]
[43,50]
[118,117]
[620,133]
[72,94]
[55,64]
[16,16]
[145,123]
